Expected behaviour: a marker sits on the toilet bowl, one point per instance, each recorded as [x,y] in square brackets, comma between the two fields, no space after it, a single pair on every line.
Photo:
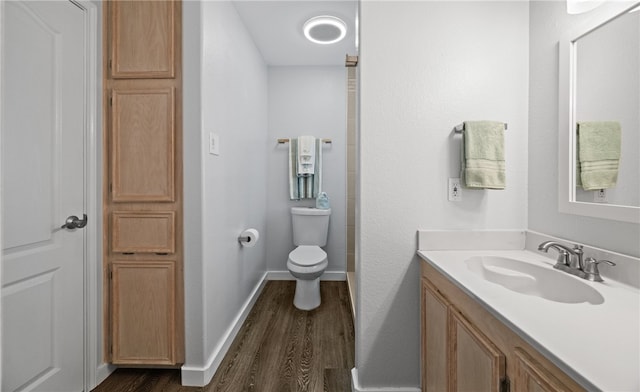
[308,261]
[307,264]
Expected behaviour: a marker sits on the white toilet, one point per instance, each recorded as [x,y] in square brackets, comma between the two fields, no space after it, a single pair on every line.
[307,262]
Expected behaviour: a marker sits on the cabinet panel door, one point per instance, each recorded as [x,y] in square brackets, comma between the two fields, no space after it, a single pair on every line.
[143,313]
[143,35]
[476,364]
[532,377]
[143,145]
[143,232]
[434,339]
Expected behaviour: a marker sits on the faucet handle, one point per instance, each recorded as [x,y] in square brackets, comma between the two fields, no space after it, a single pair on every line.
[591,268]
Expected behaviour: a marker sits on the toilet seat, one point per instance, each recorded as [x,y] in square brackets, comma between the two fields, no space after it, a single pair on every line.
[307,256]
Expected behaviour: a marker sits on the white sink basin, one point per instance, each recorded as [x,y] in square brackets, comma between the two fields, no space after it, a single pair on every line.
[529,279]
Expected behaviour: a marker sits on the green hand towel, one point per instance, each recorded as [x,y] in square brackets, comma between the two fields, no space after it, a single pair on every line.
[483,155]
[598,154]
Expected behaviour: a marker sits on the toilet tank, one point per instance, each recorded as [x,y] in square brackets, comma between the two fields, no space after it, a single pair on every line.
[310,226]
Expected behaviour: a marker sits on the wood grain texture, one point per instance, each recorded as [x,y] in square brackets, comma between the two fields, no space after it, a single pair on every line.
[143,318]
[476,363]
[144,232]
[532,377]
[278,348]
[142,67]
[153,56]
[435,314]
[143,145]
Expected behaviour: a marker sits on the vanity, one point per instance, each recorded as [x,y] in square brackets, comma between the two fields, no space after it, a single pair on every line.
[496,316]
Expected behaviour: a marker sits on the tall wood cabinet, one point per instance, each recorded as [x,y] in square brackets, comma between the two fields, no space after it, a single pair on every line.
[465,348]
[143,266]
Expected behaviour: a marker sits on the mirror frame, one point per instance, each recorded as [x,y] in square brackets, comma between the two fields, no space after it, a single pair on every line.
[566,136]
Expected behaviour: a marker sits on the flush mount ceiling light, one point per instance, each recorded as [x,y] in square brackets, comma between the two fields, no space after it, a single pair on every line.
[582,6]
[325,29]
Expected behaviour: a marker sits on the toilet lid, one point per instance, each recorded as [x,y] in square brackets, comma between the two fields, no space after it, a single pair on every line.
[306,256]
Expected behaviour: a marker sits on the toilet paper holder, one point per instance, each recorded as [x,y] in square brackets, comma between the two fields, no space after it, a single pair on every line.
[248,238]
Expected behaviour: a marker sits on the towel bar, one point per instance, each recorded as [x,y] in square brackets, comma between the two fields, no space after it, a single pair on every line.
[460,128]
[282,141]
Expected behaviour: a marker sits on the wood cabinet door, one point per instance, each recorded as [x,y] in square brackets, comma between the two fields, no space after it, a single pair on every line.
[143,315]
[532,377]
[143,232]
[475,363]
[434,339]
[143,39]
[143,145]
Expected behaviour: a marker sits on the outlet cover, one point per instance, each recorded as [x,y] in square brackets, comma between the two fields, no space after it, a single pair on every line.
[600,196]
[214,143]
[454,190]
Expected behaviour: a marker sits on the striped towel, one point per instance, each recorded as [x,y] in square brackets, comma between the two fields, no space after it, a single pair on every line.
[599,144]
[304,187]
[482,165]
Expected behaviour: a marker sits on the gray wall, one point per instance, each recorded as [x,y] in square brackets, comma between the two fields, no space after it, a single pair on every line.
[306,101]
[426,67]
[550,23]
[225,93]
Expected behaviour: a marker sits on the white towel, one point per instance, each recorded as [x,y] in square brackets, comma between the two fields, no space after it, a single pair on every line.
[306,155]
[304,187]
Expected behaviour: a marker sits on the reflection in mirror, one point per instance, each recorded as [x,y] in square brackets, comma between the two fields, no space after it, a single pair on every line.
[607,88]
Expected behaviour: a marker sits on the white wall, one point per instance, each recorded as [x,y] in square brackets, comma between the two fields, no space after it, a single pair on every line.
[223,194]
[425,67]
[234,101]
[192,192]
[549,24]
[306,101]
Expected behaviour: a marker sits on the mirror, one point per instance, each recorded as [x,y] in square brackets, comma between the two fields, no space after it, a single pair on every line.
[600,81]
[607,87]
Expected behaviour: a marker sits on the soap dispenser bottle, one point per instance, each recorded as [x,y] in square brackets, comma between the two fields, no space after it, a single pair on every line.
[322,201]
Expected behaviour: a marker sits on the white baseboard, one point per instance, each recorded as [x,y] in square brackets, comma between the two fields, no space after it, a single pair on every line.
[286,275]
[201,376]
[355,386]
[103,371]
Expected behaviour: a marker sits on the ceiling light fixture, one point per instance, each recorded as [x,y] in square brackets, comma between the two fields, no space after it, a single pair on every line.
[581,6]
[325,29]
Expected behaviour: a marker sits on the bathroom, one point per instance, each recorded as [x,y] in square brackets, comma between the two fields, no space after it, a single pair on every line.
[489,60]
[424,67]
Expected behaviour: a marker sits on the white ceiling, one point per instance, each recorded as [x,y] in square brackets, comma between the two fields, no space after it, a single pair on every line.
[276,28]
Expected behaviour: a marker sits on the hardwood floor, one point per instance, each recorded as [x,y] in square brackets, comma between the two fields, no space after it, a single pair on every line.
[278,349]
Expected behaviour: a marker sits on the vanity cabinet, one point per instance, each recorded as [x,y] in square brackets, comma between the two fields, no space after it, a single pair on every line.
[465,348]
[456,355]
[142,209]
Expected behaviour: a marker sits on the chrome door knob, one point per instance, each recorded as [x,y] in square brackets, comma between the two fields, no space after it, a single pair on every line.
[73,222]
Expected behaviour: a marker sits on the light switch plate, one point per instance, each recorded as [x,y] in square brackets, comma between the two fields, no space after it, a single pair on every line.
[455,190]
[214,143]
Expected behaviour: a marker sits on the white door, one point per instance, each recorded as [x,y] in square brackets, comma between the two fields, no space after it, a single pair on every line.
[43,128]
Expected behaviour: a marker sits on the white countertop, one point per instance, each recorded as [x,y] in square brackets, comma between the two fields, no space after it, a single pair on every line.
[597,345]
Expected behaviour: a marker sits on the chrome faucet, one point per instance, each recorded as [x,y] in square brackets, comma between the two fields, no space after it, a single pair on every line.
[571,261]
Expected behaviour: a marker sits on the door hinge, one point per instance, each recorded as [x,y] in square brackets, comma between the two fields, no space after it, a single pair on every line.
[505,385]
[110,187]
[110,101]
[110,66]
[110,275]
